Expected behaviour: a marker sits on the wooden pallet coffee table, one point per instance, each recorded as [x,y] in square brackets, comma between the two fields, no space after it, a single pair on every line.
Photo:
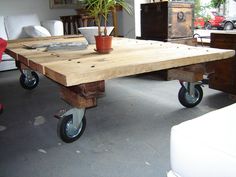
[81,74]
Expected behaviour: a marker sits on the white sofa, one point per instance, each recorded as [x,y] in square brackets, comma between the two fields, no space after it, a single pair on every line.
[205,146]
[13,27]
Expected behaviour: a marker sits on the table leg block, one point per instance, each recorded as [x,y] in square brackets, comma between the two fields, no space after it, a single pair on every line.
[74,99]
[191,73]
[83,95]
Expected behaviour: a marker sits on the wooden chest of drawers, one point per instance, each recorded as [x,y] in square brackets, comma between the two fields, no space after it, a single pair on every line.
[223,77]
[166,20]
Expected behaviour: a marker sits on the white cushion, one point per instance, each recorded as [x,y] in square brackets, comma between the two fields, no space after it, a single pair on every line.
[205,146]
[36,31]
[55,27]
[15,24]
[3,33]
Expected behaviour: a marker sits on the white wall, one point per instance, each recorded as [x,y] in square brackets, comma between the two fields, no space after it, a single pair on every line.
[138,16]
[40,7]
[128,22]
[232,8]
[131,24]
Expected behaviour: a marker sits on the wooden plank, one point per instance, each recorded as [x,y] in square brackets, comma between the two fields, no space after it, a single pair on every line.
[11,53]
[18,42]
[111,66]
[43,38]
[38,61]
[129,57]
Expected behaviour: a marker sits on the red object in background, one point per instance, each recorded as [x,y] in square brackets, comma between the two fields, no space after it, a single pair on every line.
[199,22]
[214,21]
[3,45]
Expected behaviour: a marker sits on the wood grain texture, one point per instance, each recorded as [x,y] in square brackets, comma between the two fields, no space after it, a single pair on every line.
[224,77]
[192,73]
[75,99]
[160,21]
[129,57]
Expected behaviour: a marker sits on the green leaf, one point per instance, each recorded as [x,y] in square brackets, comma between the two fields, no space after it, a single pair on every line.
[101,9]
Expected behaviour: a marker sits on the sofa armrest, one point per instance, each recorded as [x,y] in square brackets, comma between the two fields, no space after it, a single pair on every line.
[55,27]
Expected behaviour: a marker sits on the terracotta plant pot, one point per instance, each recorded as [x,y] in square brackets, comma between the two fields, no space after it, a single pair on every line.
[103,44]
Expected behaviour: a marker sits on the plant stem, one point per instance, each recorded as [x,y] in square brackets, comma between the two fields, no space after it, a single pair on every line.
[99,25]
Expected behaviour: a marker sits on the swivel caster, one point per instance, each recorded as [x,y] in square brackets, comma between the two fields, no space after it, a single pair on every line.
[190,95]
[71,125]
[29,79]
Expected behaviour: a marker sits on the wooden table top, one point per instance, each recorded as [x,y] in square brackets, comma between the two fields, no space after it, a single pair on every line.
[129,57]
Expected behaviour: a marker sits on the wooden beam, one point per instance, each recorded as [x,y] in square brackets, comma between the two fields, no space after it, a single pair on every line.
[192,73]
[83,95]
[75,99]
[90,90]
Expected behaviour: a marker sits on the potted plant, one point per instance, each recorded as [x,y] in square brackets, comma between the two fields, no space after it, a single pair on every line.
[99,9]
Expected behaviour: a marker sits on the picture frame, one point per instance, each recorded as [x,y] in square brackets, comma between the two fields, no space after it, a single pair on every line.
[65,4]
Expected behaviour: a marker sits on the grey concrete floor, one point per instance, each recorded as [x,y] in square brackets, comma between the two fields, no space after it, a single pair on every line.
[127,134]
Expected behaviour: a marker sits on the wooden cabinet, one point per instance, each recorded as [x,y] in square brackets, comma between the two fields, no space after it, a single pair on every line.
[166,20]
[224,72]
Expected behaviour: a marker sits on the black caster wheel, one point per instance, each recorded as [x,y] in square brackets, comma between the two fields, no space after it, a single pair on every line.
[188,100]
[67,131]
[29,82]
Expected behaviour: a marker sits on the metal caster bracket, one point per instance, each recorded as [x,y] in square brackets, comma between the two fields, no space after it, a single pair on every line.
[77,114]
[190,87]
[190,94]
[27,73]
[71,125]
[29,79]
